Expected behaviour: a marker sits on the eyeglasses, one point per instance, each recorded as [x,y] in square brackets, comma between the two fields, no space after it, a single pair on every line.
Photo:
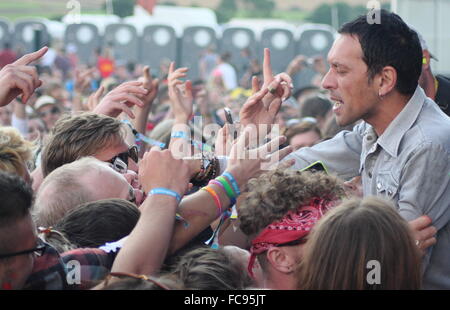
[39,250]
[132,152]
[54,110]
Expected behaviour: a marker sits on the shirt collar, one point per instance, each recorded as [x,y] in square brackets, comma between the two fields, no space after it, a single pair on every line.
[391,138]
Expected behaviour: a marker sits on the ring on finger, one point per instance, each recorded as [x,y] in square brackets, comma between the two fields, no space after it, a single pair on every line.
[272,90]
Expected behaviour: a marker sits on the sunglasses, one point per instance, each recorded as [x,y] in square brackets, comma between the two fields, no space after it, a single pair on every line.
[39,250]
[54,110]
[132,153]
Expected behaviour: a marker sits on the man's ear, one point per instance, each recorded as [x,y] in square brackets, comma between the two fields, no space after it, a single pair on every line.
[387,80]
[280,260]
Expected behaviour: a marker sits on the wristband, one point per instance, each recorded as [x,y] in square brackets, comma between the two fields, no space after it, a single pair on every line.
[227,186]
[233,182]
[165,191]
[232,198]
[216,198]
[179,134]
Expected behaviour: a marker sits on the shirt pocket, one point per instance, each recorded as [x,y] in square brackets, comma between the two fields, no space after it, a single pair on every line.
[386,185]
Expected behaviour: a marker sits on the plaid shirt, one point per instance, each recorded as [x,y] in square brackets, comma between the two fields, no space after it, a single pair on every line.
[53,271]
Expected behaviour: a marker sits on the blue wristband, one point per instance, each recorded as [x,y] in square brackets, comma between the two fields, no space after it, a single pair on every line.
[233,182]
[165,191]
[179,134]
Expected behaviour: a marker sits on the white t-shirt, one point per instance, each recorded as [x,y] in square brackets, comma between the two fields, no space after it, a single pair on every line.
[228,75]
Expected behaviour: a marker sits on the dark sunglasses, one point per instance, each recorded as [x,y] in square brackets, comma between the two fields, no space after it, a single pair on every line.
[39,250]
[54,110]
[131,153]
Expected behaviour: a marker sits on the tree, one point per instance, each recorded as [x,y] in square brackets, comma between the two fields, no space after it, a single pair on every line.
[259,8]
[123,8]
[345,13]
[226,10]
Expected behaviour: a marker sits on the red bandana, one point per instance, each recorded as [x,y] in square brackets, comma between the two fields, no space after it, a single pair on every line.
[293,226]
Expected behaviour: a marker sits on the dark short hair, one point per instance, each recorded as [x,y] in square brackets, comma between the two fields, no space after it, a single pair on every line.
[92,224]
[315,107]
[389,43]
[16,198]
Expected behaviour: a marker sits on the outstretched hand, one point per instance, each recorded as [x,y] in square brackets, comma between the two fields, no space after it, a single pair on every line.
[263,106]
[180,93]
[20,77]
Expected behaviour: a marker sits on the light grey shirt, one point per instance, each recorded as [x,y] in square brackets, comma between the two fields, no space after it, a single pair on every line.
[408,164]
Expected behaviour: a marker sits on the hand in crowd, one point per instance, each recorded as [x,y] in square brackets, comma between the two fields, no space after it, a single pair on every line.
[94,98]
[263,106]
[152,86]
[160,169]
[122,99]
[20,78]
[224,139]
[423,232]
[296,65]
[83,80]
[246,162]
[180,94]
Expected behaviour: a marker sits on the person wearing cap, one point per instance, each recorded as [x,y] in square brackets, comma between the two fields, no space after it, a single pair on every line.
[279,211]
[47,109]
[437,87]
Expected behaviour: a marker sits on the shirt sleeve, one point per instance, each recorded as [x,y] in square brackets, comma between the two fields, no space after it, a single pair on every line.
[425,185]
[425,189]
[341,154]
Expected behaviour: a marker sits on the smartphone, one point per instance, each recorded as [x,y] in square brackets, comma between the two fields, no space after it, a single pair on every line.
[316,166]
[228,115]
[230,121]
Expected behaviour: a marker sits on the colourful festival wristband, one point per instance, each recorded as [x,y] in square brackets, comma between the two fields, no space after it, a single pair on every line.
[216,198]
[226,184]
[165,191]
[233,182]
[232,198]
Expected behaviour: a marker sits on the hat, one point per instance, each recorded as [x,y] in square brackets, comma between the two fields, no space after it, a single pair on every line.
[43,101]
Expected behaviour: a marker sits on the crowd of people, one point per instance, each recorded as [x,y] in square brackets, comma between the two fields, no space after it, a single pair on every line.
[114,178]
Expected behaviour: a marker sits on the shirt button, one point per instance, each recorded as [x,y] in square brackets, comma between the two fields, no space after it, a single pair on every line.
[369,138]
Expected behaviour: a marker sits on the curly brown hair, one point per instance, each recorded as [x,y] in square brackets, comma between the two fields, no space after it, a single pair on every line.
[277,192]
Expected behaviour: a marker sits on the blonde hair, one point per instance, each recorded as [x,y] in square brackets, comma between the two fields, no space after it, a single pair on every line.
[15,151]
[351,235]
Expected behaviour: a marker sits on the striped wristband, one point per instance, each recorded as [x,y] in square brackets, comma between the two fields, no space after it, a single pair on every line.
[165,191]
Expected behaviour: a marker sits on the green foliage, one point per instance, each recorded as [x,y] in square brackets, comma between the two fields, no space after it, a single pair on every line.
[259,8]
[123,8]
[323,14]
[226,10]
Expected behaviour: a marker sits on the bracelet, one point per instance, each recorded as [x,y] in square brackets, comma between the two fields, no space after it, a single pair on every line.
[233,182]
[179,134]
[232,198]
[216,198]
[227,186]
[165,191]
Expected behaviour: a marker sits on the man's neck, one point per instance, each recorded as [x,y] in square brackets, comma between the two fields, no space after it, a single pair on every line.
[389,107]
